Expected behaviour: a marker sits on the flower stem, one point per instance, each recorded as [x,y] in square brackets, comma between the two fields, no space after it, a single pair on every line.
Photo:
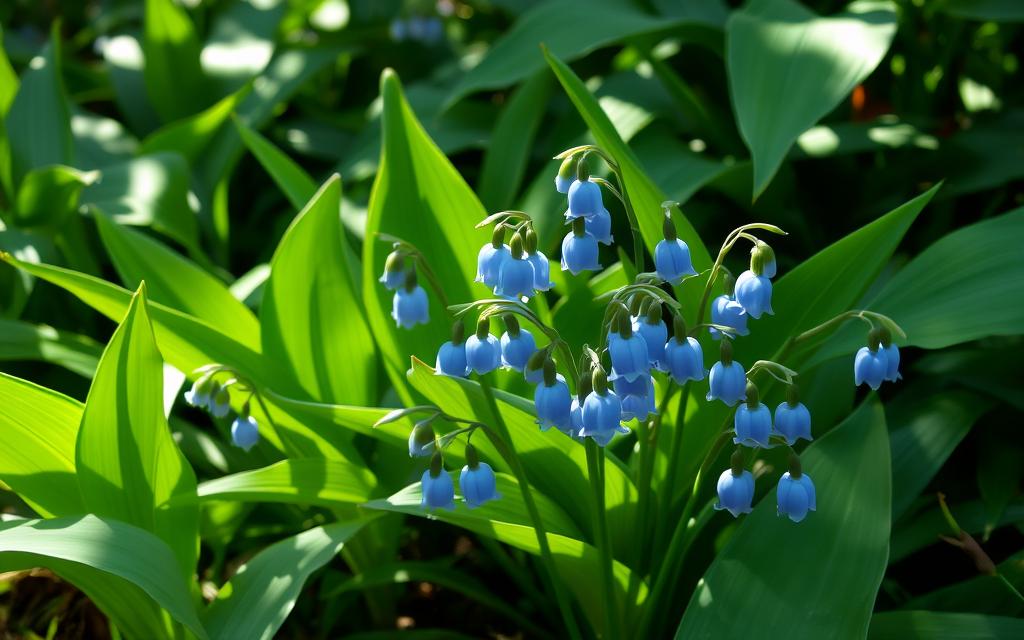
[503,443]
[595,469]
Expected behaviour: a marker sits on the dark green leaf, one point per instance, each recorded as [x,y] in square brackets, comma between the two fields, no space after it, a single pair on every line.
[174,79]
[929,625]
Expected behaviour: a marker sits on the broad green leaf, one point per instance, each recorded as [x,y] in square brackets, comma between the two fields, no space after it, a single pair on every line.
[782,576]
[25,341]
[678,171]
[100,141]
[174,79]
[789,67]
[511,143]
[979,594]
[48,195]
[570,32]
[148,190]
[38,122]
[191,136]
[38,428]
[955,290]
[310,316]
[292,179]
[577,562]
[126,460]
[96,545]
[357,419]
[995,10]
[555,464]
[241,42]
[925,429]
[420,197]
[921,531]
[176,282]
[641,191]
[313,481]
[930,625]
[262,593]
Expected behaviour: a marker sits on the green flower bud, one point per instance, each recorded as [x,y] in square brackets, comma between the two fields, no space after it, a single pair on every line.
[411,281]
[737,462]
[600,381]
[753,399]
[582,170]
[498,236]
[567,169]
[795,469]
[458,332]
[550,375]
[726,351]
[472,458]
[483,327]
[436,464]
[668,228]
[579,227]
[516,245]
[654,313]
[793,395]
[679,328]
[530,242]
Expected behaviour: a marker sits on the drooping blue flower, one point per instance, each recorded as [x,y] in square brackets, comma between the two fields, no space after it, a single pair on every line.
[753,421]
[220,401]
[539,262]
[579,250]
[728,379]
[477,481]
[483,353]
[515,277]
[492,255]
[652,329]
[437,487]
[871,365]
[394,271]
[728,313]
[637,398]
[628,352]
[600,226]
[892,355]
[792,419]
[754,293]
[566,174]
[199,395]
[735,492]
[245,433]
[422,440]
[575,416]
[517,347]
[796,496]
[584,199]
[534,369]
[562,184]
[684,358]
[552,400]
[671,255]
[410,306]
[451,357]
[602,412]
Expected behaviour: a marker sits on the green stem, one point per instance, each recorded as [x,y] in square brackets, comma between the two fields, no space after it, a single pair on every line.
[504,446]
[668,486]
[1009,585]
[595,464]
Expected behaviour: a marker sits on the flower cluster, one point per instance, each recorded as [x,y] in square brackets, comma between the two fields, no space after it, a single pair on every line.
[878,362]
[209,394]
[477,480]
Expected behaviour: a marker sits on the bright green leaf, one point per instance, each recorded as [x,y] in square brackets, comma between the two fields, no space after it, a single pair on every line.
[312,481]
[293,180]
[174,79]
[21,340]
[192,135]
[48,195]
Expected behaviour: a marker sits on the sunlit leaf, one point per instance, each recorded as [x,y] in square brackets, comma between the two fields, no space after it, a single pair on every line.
[48,195]
[174,79]
[25,341]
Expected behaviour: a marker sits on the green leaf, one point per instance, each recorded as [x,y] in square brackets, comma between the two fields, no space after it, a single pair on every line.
[511,143]
[38,428]
[8,80]
[124,61]
[310,316]
[127,462]
[174,78]
[999,472]
[191,136]
[148,190]
[781,576]
[925,429]
[641,191]
[789,67]
[25,341]
[569,32]
[38,122]
[420,197]
[995,10]
[48,195]
[93,547]
[177,282]
[262,593]
[929,625]
[241,42]
[293,180]
[982,593]
[312,481]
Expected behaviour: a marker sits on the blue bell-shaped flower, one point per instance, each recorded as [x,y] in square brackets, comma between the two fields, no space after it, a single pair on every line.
[579,249]
[410,306]
[394,271]
[483,353]
[477,481]
[735,488]
[220,401]
[892,355]
[492,255]
[629,354]
[671,256]
[871,366]
[534,369]
[727,312]
[245,433]
[539,261]
[728,379]
[552,400]
[199,395]
[684,358]
[754,293]
[515,277]
[422,439]
[584,195]
[652,329]
[600,226]
[451,357]
[764,256]
[566,174]
[517,345]
[753,421]
[792,419]
[795,493]
[637,398]
[602,412]
[437,487]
